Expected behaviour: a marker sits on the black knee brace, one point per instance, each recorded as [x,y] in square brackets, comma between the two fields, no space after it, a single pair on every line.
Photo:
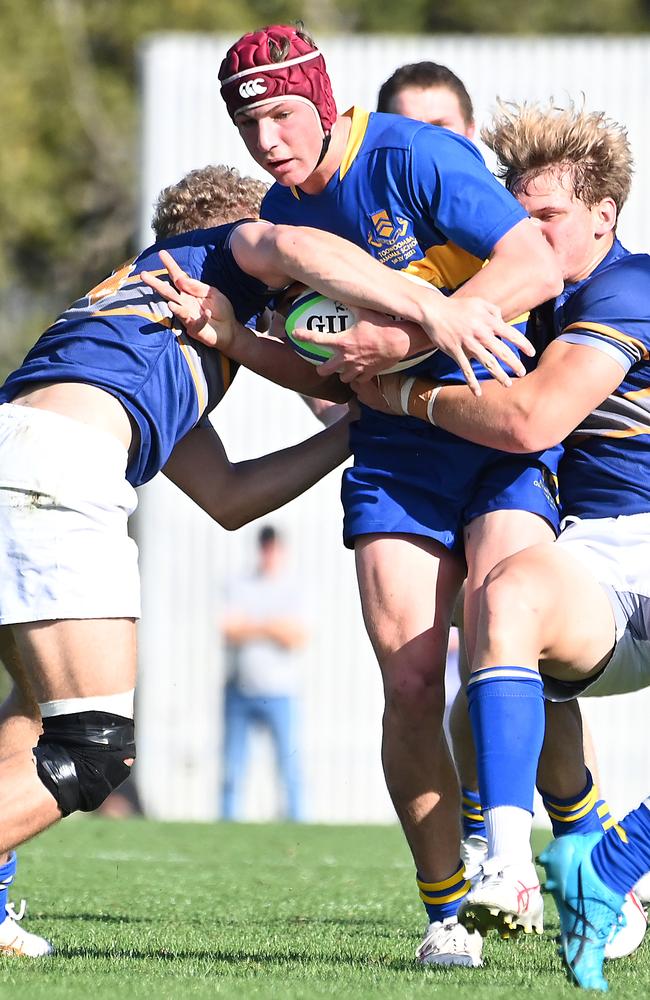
[80,757]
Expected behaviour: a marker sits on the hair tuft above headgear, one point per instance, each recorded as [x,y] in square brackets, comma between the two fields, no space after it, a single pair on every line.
[276,63]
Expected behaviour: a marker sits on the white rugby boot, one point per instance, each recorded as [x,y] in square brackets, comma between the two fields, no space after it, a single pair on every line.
[628,934]
[473,853]
[15,940]
[447,942]
[507,898]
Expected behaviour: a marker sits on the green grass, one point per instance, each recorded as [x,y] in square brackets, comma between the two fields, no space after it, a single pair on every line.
[141,909]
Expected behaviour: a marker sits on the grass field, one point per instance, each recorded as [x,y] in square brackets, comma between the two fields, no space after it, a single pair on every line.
[141,909]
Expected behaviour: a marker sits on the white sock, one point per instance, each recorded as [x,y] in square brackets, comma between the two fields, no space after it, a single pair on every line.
[508,832]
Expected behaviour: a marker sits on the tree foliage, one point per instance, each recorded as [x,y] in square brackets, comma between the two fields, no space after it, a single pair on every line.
[68,106]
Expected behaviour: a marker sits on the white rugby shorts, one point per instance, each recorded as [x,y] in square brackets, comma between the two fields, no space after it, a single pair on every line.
[616,550]
[64,505]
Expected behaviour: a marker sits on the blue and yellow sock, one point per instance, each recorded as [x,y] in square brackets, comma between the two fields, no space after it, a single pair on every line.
[472,814]
[442,899]
[7,875]
[623,854]
[506,709]
[582,813]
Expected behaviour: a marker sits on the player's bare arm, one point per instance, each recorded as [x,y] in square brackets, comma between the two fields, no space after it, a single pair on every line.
[538,411]
[235,493]
[463,329]
[376,342]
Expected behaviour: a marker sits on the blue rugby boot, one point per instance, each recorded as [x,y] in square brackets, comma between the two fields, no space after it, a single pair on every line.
[588,909]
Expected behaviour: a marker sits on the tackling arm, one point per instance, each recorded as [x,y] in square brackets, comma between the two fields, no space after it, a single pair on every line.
[234,494]
[464,328]
[334,267]
[537,412]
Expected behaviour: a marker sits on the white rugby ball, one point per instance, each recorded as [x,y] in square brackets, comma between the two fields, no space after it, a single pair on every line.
[315,312]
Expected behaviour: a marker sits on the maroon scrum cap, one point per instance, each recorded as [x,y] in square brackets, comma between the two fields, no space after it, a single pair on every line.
[250,77]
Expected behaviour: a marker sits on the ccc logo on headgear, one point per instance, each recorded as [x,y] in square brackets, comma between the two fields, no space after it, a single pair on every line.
[252,87]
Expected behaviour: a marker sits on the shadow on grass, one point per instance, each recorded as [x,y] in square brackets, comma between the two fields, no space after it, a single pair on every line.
[94,918]
[385,928]
[235,957]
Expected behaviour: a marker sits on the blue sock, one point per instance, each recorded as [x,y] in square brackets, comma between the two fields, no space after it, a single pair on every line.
[442,899]
[472,814]
[506,708]
[7,875]
[582,813]
[623,854]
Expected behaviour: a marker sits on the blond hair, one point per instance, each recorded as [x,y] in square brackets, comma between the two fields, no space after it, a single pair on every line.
[207,197]
[590,148]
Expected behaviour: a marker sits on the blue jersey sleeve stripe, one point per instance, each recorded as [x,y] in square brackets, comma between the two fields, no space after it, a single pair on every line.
[625,358]
[633,344]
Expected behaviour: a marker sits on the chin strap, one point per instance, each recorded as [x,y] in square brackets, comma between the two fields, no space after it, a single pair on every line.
[324,148]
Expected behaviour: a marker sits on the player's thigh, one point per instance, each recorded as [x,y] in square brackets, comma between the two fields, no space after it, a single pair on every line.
[545,603]
[77,658]
[499,534]
[489,539]
[408,585]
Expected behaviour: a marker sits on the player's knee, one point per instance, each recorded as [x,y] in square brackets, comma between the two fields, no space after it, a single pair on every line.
[509,599]
[81,758]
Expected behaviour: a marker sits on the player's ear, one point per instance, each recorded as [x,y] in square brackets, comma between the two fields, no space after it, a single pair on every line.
[605,215]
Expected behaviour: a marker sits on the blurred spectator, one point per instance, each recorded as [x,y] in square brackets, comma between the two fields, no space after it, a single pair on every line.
[264,629]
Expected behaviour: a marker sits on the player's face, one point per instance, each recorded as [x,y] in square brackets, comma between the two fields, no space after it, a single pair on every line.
[580,236]
[284,138]
[433,105]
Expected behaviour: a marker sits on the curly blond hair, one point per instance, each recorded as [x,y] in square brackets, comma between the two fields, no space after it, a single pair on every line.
[207,197]
[590,148]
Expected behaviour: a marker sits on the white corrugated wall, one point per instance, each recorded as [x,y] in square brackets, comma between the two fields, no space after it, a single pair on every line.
[185,558]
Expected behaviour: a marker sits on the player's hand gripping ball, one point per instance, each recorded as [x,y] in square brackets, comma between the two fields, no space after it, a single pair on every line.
[316,313]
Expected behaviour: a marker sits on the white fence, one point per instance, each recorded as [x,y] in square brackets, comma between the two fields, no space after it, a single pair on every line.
[185,557]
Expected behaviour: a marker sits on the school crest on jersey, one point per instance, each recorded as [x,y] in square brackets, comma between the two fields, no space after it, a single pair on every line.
[389,237]
[384,230]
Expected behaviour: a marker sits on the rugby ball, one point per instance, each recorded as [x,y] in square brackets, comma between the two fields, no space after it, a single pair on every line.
[315,312]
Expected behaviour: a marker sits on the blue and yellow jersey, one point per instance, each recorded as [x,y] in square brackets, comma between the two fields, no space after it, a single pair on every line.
[122,337]
[415,196]
[605,471]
